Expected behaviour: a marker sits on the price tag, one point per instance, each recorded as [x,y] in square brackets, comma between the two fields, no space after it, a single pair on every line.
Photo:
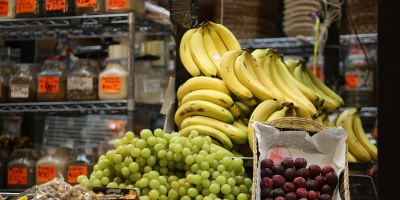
[152,85]
[45,173]
[80,83]
[75,171]
[19,90]
[85,3]
[110,84]
[17,176]
[48,84]
[117,4]
[55,5]
[25,6]
[351,81]
[3,7]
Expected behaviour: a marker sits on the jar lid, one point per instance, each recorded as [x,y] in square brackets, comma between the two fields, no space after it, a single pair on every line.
[60,64]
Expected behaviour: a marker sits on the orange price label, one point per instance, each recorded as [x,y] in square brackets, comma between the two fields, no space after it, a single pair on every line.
[85,3]
[351,81]
[25,6]
[55,4]
[48,84]
[111,84]
[3,8]
[45,173]
[75,171]
[117,4]
[17,176]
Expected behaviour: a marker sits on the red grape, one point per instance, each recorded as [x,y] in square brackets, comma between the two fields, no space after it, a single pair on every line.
[301,193]
[325,170]
[266,163]
[314,170]
[332,179]
[300,163]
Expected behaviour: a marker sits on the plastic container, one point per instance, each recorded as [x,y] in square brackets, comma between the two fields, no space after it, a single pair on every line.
[81,163]
[23,83]
[148,82]
[28,8]
[4,160]
[55,8]
[22,169]
[83,82]
[124,6]
[113,80]
[7,9]
[89,7]
[52,81]
[52,164]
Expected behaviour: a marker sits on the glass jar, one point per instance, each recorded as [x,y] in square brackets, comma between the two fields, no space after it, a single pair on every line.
[52,81]
[4,85]
[83,82]
[4,160]
[113,80]
[23,83]
[89,7]
[52,164]
[28,8]
[81,162]
[54,8]
[7,9]
[124,6]
[22,169]
[148,82]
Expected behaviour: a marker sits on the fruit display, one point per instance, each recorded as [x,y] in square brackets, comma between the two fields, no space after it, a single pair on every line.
[293,179]
[360,148]
[171,166]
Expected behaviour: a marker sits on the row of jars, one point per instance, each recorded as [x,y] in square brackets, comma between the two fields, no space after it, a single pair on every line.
[28,168]
[56,82]
[50,8]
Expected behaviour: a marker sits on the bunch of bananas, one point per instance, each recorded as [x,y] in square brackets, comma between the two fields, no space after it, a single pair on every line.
[201,48]
[360,148]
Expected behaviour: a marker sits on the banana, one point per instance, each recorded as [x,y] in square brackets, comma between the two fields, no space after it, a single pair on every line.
[235,134]
[354,146]
[292,64]
[244,109]
[363,139]
[319,119]
[200,55]
[248,102]
[350,157]
[291,92]
[230,78]
[240,124]
[219,44]
[217,136]
[279,114]
[235,111]
[245,77]
[214,96]
[260,114]
[203,108]
[201,82]
[298,75]
[259,55]
[327,122]
[185,53]
[211,49]
[236,154]
[301,112]
[227,36]
[220,148]
[344,114]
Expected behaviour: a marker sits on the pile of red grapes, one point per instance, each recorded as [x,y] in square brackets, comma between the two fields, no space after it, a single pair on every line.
[293,180]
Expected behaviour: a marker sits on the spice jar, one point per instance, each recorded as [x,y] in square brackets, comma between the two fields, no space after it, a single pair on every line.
[7,9]
[81,163]
[4,159]
[148,82]
[52,164]
[22,169]
[23,83]
[52,81]
[54,8]
[83,82]
[4,86]
[28,8]
[124,6]
[113,83]
[89,7]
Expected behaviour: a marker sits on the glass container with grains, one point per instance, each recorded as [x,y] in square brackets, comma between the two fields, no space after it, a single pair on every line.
[52,81]
[83,82]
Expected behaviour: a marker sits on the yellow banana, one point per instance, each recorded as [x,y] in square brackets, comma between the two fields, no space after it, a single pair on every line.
[240,124]
[292,64]
[230,78]
[227,36]
[319,118]
[351,158]
[200,55]
[354,146]
[260,114]
[245,77]
[344,114]
[363,139]
[298,75]
[203,108]
[217,136]
[201,82]
[245,109]
[236,113]
[219,44]
[235,134]
[220,148]
[327,122]
[185,53]
[211,49]
[301,112]
[214,96]
[248,102]
[278,114]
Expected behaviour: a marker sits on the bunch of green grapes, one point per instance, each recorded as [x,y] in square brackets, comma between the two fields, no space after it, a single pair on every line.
[169,166]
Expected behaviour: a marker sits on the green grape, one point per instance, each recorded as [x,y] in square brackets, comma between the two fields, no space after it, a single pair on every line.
[211,170]
[213,149]
[158,132]
[235,190]
[199,197]
[248,182]
[186,152]
[227,161]
[147,169]
[134,141]
[118,167]
[112,185]
[171,146]
[214,188]
[187,185]
[221,180]
[206,147]
[151,161]
[210,158]
[128,160]
[170,155]
[158,147]
[84,181]
[197,179]
[215,175]
[189,160]
[189,178]
[144,197]
[117,180]
[194,133]
[162,179]
[129,135]
[178,157]
[203,152]
[141,161]
[205,192]
[133,167]
[92,178]
[239,180]
[173,194]
[243,171]
[226,174]
[145,191]
[122,185]
[163,162]
[135,152]
[96,167]
[145,134]
[125,171]
[195,167]
[168,137]
[208,198]
[130,186]
[154,184]
[206,183]
[226,189]
[186,197]
[143,182]
[215,164]
[229,196]
[182,140]
[117,159]
[231,181]
[162,141]
[172,178]
[163,190]
[153,175]
[125,141]
[242,196]
[182,191]
[99,174]
[152,140]
[192,192]
[205,174]
[204,165]
[199,172]
[175,185]
[237,162]
[164,170]
[219,155]
[199,187]
[80,178]
[200,141]
[213,196]
[145,153]
[127,181]
[162,153]
[163,197]
[141,144]
[129,147]
[178,148]
[221,168]
[101,164]
[117,143]
[182,181]
[208,140]
[102,157]
[195,149]
[110,154]
[243,189]
[200,158]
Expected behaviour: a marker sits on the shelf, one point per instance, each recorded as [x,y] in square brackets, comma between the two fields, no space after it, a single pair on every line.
[70,106]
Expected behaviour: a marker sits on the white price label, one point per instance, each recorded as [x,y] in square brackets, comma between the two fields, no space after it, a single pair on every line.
[80,83]
[19,90]
[152,85]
